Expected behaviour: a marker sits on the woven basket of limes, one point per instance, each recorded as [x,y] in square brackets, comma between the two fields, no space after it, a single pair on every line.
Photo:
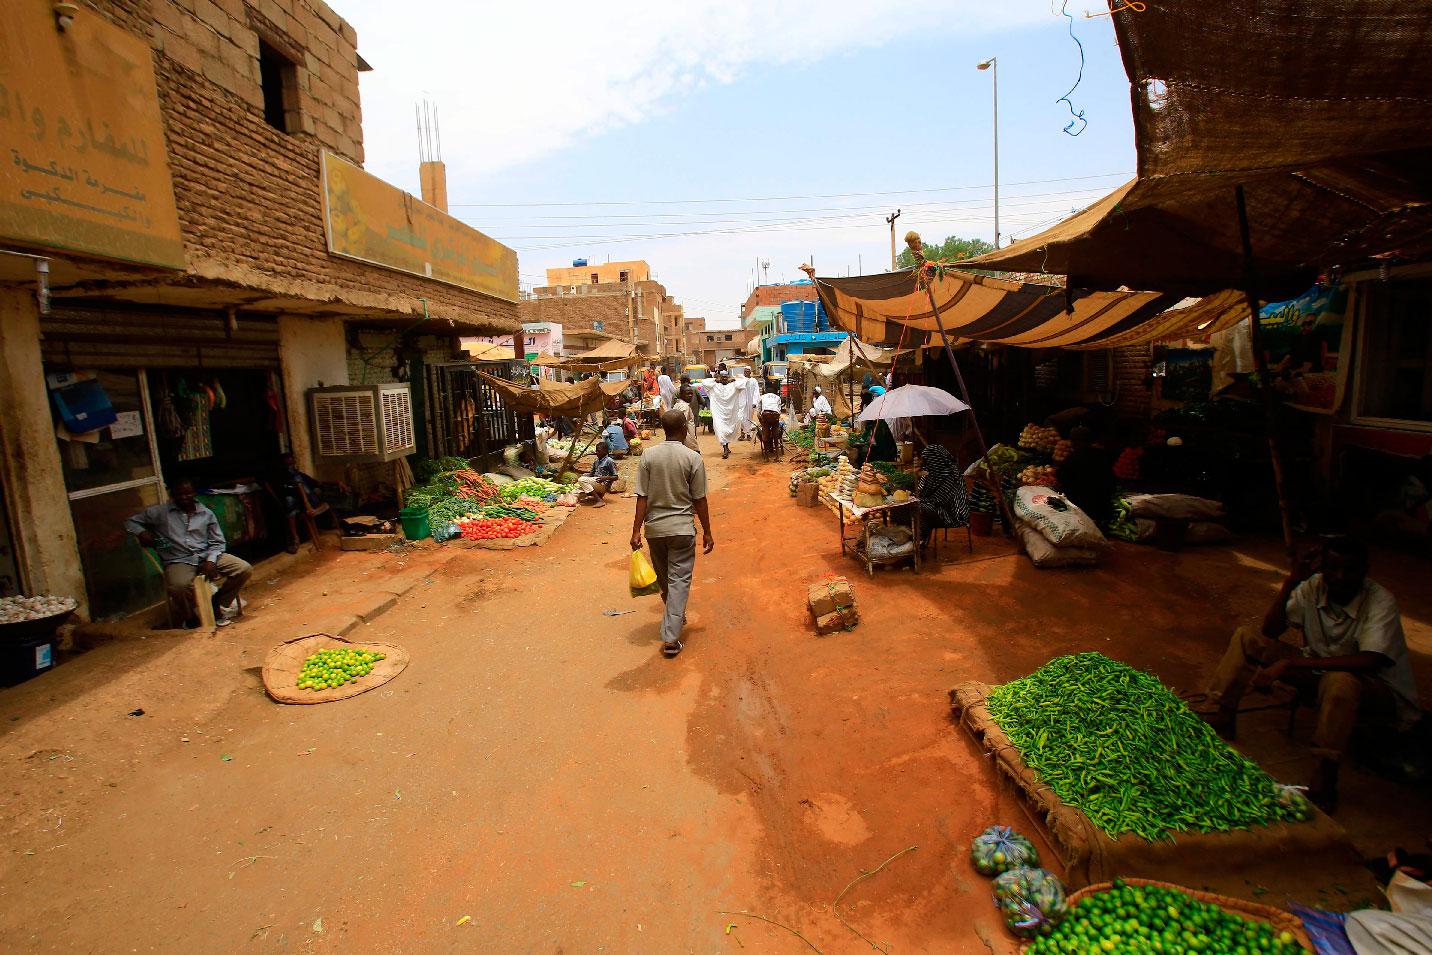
[320,668]
[1144,916]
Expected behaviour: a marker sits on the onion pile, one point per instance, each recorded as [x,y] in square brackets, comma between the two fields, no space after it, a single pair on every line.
[20,609]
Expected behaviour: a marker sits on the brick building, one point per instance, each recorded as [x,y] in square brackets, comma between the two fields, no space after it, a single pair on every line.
[615,298]
[194,246]
[717,345]
[695,327]
[767,296]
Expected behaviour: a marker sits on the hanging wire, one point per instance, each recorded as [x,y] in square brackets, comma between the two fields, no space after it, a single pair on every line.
[1076,114]
[1132,5]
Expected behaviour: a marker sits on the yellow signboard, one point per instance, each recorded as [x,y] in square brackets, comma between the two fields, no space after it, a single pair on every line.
[83,164]
[373,222]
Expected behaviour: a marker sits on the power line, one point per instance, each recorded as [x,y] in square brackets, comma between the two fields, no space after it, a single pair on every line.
[798,225]
[677,218]
[973,213]
[832,195]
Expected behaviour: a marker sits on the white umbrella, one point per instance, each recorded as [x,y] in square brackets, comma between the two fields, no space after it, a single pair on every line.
[912,401]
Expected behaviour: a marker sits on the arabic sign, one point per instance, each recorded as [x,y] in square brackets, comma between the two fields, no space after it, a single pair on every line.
[373,222]
[1307,340]
[83,166]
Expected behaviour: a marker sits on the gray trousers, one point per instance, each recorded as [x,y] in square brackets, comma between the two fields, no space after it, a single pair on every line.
[234,572]
[673,558]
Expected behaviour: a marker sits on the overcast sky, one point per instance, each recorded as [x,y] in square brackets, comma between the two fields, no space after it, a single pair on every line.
[706,137]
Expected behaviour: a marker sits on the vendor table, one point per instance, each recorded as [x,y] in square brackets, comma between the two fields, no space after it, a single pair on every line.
[859,545]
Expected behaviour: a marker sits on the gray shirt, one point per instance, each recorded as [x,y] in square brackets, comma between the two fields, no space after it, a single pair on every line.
[183,538]
[1369,623]
[672,478]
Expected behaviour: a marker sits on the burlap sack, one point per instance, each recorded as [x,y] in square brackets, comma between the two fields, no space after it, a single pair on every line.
[282,666]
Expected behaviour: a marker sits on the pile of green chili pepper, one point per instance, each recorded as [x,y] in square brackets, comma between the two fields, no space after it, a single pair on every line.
[1116,744]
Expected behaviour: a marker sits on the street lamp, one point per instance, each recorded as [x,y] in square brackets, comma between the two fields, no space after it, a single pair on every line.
[992,65]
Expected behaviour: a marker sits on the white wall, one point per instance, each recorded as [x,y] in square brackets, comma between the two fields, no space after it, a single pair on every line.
[311,351]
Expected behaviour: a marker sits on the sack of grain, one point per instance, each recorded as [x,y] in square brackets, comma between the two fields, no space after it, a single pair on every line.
[1179,506]
[1057,518]
[1044,554]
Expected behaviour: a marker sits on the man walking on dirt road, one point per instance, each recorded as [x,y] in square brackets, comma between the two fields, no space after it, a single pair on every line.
[670,490]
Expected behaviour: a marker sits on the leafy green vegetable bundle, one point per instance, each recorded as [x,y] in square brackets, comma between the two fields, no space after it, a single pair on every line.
[1115,743]
[532,487]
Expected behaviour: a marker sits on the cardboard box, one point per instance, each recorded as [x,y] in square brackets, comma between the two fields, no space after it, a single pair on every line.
[808,494]
[370,542]
[837,621]
[829,596]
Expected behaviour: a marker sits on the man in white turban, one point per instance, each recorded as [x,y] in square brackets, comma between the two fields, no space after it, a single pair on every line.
[819,405]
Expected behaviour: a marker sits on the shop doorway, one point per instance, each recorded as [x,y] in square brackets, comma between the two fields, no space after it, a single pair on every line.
[224,430]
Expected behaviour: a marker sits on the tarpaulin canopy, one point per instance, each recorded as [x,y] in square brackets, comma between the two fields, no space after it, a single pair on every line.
[608,356]
[568,399]
[486,351]
[853,353]
[547,361]
[1319,111]
[984,309]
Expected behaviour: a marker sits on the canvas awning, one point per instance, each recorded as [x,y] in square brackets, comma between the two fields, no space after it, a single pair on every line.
[568,399]
[547,361]
[984,309]
[487,351]
[608,356]
[853,353]
[1318,111]
[753,347]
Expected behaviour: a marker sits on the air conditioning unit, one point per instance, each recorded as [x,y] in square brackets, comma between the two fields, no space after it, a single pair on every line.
[361,424]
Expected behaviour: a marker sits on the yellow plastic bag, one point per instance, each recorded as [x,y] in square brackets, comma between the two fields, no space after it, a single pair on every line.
[642,576]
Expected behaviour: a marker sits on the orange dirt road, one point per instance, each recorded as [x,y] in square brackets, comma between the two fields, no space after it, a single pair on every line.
[541,780]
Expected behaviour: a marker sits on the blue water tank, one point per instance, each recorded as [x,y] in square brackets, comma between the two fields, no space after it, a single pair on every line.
[579,263]
[822,320]
[798,318]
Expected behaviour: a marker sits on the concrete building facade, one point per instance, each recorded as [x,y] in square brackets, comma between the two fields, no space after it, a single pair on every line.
[615,298]
[195,247]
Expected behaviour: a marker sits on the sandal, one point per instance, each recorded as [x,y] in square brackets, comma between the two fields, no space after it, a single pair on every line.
[670,650]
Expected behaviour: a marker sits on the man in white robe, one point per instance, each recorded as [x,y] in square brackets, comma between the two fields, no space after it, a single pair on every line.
[667,387]
[746,393]
[726,411]
[820,405]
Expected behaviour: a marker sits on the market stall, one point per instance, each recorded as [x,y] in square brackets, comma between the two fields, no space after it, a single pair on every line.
[1126,780]
[490,510]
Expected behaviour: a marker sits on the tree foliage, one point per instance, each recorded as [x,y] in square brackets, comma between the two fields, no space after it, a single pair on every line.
[953,249]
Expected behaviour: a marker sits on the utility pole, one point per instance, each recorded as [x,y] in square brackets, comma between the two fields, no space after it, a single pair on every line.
[992,65]
[891,219]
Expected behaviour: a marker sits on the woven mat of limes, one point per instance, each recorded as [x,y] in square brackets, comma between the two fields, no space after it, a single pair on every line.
[320,668]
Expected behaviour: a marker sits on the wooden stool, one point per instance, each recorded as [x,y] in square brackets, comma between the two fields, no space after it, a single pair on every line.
[307,512]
